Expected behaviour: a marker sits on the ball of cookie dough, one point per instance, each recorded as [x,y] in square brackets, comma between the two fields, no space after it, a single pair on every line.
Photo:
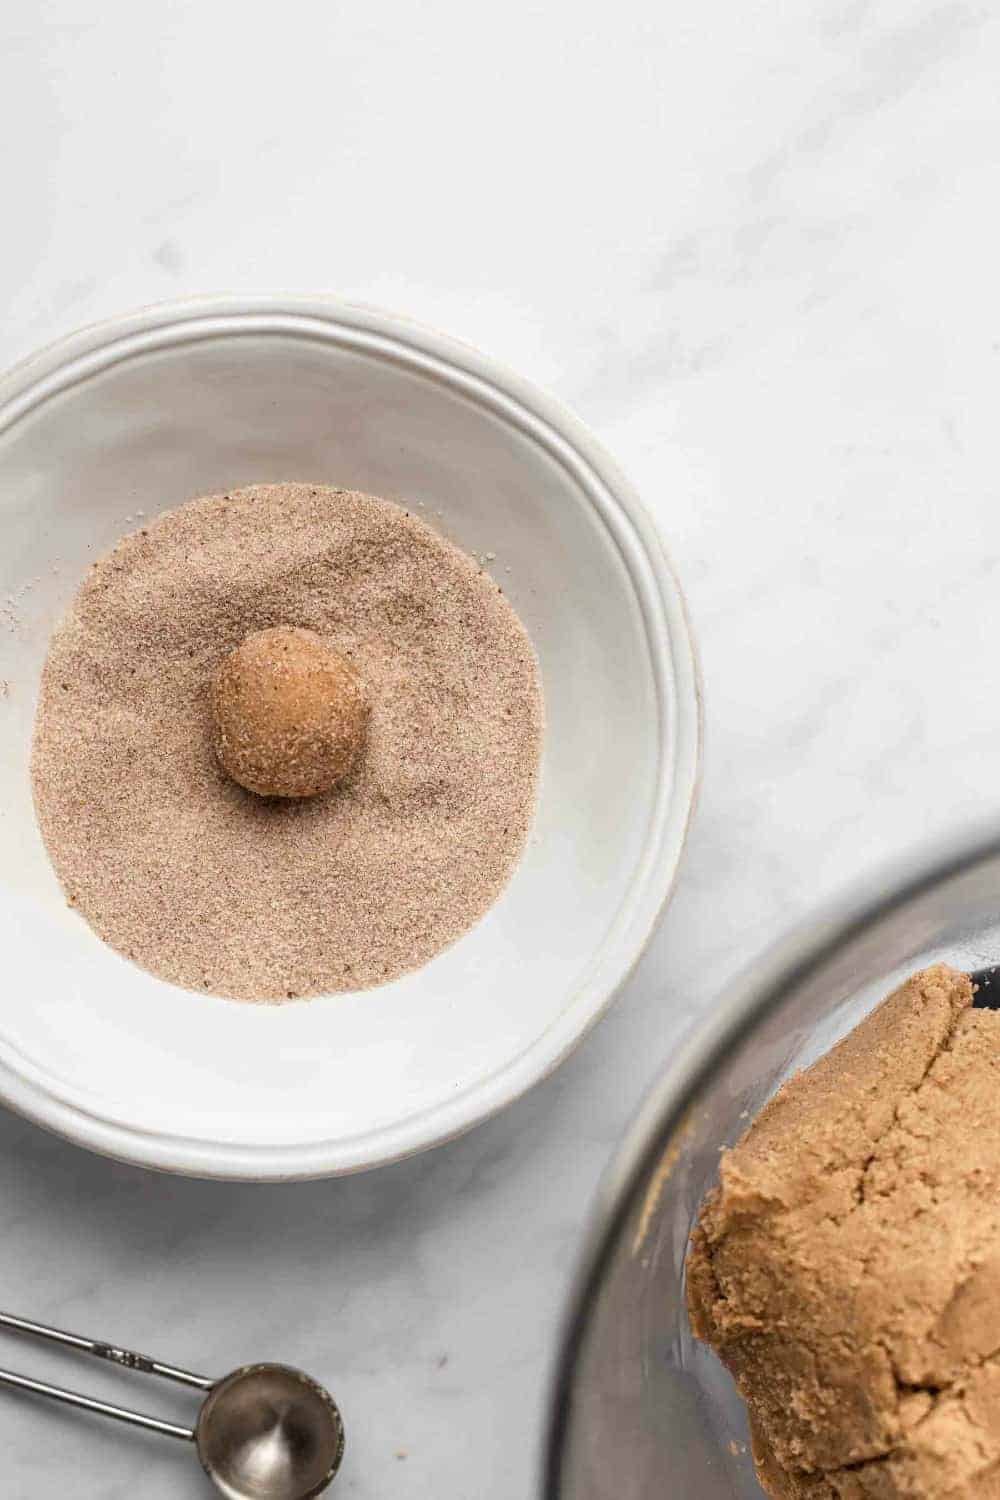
[290,713]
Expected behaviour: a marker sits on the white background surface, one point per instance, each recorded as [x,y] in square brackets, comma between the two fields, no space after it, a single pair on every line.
[755,246]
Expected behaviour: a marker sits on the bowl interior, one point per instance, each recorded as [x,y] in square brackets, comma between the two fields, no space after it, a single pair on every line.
[641,1408]
[97,1047]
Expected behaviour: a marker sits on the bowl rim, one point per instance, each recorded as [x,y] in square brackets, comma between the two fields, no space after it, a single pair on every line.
[746,1000]
[70,359]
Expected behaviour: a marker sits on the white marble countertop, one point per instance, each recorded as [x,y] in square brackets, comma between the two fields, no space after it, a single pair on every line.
[755,246]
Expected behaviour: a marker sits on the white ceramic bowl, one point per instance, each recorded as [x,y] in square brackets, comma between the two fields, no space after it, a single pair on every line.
[140,414]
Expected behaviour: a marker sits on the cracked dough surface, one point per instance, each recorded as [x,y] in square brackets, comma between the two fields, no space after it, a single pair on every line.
[847,1267]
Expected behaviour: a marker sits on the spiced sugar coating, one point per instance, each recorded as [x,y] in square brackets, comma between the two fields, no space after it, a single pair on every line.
[215,888]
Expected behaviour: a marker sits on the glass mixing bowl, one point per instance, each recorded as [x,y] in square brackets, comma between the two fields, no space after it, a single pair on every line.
[641,1411]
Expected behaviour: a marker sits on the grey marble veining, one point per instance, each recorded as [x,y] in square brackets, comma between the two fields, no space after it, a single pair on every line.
[755,247]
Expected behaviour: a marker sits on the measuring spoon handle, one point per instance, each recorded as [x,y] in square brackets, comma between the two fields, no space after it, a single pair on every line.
[102,1408]
[124,1357]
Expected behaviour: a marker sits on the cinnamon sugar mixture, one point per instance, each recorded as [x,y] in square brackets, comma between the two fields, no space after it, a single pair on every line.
[215,888]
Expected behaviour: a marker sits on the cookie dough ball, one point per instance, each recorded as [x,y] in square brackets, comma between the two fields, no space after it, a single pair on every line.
[290,713]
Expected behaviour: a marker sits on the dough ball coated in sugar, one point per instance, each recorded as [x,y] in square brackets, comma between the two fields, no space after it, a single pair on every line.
[290,713]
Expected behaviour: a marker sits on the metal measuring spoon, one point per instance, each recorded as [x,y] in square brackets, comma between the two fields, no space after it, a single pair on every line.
[265,1432]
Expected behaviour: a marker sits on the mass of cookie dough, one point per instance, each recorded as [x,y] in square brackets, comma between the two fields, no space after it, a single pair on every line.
[290,713]
[847,1267]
